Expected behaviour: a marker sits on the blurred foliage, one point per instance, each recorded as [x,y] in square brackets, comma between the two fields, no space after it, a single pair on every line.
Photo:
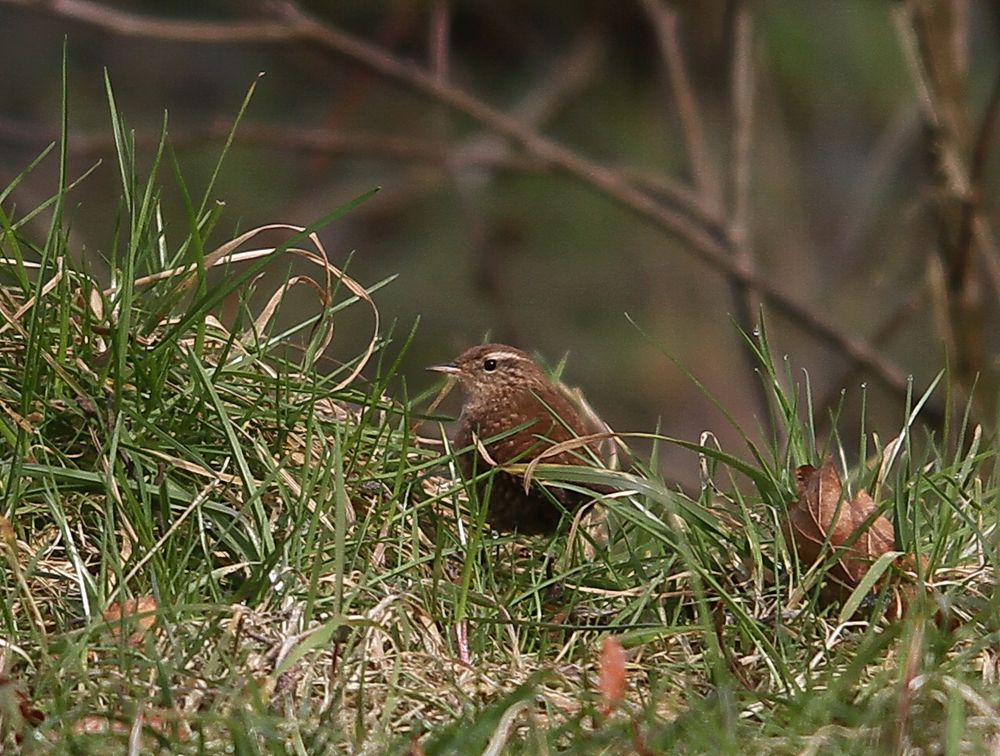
[838,194]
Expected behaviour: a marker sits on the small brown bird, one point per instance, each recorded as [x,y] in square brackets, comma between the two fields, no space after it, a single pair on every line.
[504,388]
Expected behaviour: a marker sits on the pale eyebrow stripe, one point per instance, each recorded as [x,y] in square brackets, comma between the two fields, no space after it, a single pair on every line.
[503,355]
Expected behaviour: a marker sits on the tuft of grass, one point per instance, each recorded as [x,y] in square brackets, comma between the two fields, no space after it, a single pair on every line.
[215,540]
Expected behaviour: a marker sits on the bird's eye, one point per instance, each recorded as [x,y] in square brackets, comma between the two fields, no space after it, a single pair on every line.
[490,365]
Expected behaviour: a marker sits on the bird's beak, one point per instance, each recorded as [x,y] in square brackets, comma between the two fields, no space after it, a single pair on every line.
[449,368]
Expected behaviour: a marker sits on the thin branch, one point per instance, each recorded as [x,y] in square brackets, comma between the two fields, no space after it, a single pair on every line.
[297,26]
[277,136]
[439,37]
[571,73]
[977,177]
[742,91]
[478,153]
[933,39]
[703,176]
[677,194]
[399,22]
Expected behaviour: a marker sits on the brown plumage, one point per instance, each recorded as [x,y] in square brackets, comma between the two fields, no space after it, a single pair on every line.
[505,388]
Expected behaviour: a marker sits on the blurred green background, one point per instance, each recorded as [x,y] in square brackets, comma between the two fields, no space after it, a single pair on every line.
[839,209]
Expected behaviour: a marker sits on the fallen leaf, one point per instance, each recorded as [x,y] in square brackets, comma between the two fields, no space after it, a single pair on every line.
[824,520]
[613,680]
[136,614]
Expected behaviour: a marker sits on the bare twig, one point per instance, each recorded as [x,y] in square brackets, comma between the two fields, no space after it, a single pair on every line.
[480,152]
[977,179]
[287,136]
[933,38]
[305,139]
[742,85]
[297,26]
[742,88]
[703,175]
[439,34]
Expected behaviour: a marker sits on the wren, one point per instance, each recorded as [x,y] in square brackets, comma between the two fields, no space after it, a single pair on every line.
[503,389]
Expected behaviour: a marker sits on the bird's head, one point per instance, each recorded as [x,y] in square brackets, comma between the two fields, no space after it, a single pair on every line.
[494,370]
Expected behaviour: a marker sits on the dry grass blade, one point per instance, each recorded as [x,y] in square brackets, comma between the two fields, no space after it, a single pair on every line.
[51,284]
[572,444]
[226,254]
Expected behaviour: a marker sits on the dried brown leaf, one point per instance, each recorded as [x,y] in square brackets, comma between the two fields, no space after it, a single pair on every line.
[136,614]
[823,518]
[822,515]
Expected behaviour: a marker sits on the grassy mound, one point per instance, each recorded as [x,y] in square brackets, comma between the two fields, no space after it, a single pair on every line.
[217,542]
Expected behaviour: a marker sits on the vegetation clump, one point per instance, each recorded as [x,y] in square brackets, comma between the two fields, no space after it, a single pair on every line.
[218,538]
